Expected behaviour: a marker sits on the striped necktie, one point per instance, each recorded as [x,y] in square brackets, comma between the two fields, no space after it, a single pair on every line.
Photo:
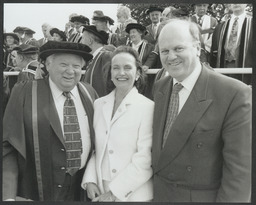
[72,135]
[172,110]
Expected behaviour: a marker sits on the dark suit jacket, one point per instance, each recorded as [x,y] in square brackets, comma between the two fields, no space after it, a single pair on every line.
[19,172]
[207,156]
[150,36]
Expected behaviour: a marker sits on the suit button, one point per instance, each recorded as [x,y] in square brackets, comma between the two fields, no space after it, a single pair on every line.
[199,145]
[59,186]
[62,150]
[111,151]
[189,168]
[114,170]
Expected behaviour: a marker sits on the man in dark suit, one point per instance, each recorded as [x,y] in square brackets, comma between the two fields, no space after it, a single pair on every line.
[43,159]
[237,54]
[97,69]
[202,131]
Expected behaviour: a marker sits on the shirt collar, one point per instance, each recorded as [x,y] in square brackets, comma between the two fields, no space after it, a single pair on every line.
[97,51]
[240,17]
[57,93]
[190,81]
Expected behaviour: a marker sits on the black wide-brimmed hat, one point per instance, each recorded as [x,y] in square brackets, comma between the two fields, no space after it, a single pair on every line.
[102,35]
[52,47]
[154,8]
[61,33]
[14,35]
[82,19]
[98,15]
[26,49]
[136,26]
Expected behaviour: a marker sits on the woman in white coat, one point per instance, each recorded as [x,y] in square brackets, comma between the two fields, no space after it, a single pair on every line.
[120,169]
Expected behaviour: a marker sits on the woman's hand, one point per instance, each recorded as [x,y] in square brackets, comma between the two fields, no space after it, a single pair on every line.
[92,190]
[105,197]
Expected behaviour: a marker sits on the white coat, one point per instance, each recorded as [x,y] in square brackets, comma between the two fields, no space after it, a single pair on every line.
[128,140]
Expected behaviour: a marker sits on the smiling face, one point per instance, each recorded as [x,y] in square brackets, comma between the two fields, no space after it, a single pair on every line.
[155,16]
[65,70]
[238,9]
[135,35]
[179,52]
[124,71]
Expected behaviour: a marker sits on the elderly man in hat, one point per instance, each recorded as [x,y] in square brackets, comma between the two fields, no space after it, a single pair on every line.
[19,30]
[25,57]
[103,23]
[28,35]
[48,134]
[98,67]
[206,25]
[78,21]
[155,14]
[58,35]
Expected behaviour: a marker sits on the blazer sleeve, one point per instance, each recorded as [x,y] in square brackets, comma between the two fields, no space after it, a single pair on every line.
[90,174]
[236,134]
[139,170]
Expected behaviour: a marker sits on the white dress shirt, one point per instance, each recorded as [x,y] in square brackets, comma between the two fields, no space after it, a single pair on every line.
[188,85]
[59,100]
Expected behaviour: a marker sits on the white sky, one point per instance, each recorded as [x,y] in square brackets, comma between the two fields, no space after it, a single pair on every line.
[33,15]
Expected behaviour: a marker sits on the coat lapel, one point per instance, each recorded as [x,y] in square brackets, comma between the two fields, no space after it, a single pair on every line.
[186,121]
[161,105]
[51,113]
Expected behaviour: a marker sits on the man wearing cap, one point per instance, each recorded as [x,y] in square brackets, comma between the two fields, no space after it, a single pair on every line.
[25,57]
[48,134]
[103,23]
[206,25]
[96,70]
[155,14]
[78,22]
[19,30]
[58,35]
[28,35]
[70,27]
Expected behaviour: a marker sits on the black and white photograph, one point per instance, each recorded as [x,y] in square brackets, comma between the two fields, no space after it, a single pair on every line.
[128,102]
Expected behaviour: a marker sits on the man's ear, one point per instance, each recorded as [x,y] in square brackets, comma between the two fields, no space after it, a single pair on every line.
[198,47]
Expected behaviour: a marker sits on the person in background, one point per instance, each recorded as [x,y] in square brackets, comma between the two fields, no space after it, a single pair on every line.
[28,35]
[206,25]
[103,23]
[78,21]
[202,126]
[19,30]
[69,26]
[124,18]
[120,169]
[26,61]
[46,32]
[58,35]
[11,40]
[155,14]
[48,134]
[232,43]
[96,70]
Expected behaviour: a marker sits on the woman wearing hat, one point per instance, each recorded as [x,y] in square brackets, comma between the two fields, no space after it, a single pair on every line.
[58,35]
[136,33]
[11,40]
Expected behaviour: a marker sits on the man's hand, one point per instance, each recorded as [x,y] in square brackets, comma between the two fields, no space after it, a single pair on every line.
[105,197]
[92,190]
[145,68]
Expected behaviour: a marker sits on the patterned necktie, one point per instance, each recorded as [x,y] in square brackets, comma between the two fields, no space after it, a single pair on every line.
[172,110]
[231,47]
[72,135]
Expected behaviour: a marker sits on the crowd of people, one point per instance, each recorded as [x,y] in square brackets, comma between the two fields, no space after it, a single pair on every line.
[117,133]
